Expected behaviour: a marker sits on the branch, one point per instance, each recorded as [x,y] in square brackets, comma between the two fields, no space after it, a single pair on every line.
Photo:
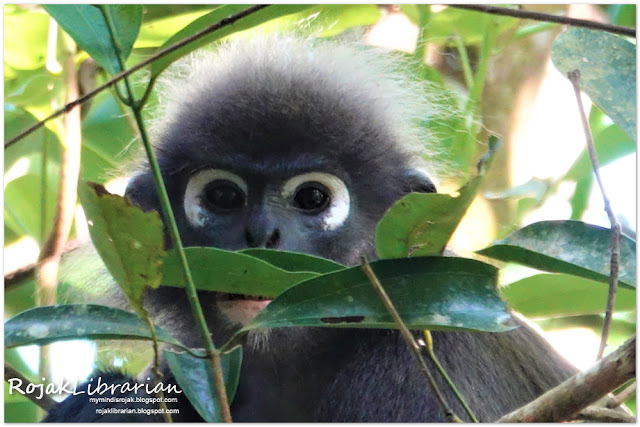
[45,401]
[408,337]
[537,16]
[604,415]
[622,397]
[17,277]
[574,77]
[211,28]
[572,396]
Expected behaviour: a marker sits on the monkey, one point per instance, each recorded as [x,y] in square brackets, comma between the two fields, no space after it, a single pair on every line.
[302,145]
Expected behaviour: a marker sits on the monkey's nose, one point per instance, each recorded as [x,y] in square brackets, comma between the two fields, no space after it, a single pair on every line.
[256,239]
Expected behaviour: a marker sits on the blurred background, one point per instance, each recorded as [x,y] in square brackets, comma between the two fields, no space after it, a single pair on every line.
[493,76]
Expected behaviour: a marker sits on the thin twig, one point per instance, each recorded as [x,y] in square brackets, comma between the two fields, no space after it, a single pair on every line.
[409,339]
[464,60]
[428,349]
[574,77]
[164,52]
[622,397]
[604,415]
[45,401]
[172,226]
[155,368]
[157,375]
[583,389]
[537,16]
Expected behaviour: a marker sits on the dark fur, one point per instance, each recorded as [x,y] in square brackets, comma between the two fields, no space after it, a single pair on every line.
[267,121]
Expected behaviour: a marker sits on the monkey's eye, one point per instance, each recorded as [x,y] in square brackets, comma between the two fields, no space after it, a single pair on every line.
[321,196]
[223,195]
[213,191]
[311,197]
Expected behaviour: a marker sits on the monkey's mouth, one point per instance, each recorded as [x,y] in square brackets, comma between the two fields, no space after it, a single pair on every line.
[241,308]
[222,297]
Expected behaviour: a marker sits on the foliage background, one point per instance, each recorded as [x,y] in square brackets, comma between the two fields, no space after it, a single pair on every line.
[540,172]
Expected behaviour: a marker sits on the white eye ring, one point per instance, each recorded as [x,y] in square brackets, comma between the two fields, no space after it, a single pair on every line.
[338,211]
[193,205]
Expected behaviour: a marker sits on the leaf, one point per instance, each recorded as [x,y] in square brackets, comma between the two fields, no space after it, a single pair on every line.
[217,15]
[570,247]
[232,272]
[25,47]
[329,20]
[44,325]
[420,224]
[129,241]
[294,261]
[556,295]
[87,27]
[429,293]
[611,144]
[106,139]
[195,378]
[607,65]
[466,24]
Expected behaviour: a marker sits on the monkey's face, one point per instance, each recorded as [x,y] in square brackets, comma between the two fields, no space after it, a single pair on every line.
[265,156]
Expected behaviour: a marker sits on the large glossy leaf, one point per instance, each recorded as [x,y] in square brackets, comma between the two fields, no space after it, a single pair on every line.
[217,270]
[195,378]
[263,15]
[607,65]
[570,247]
[421,224]
[43,325]
[556,295]
[429,293]
[129,241]
[87,26]
[294,261]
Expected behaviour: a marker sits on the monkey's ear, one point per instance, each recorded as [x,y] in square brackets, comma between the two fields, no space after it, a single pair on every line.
[141,191]
[417,181]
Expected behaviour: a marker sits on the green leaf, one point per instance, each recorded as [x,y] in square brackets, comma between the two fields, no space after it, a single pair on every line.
[25,47]
[160,25]
[195,378]
[607,65]
[329,20]
[294,261]
[429,293]
[106,139]
[129,241]
[556,295]
[611,143]
[570,247]
[466,24]
[44,325]
[232,272]
[217,15]
[88,28]
[420,224]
